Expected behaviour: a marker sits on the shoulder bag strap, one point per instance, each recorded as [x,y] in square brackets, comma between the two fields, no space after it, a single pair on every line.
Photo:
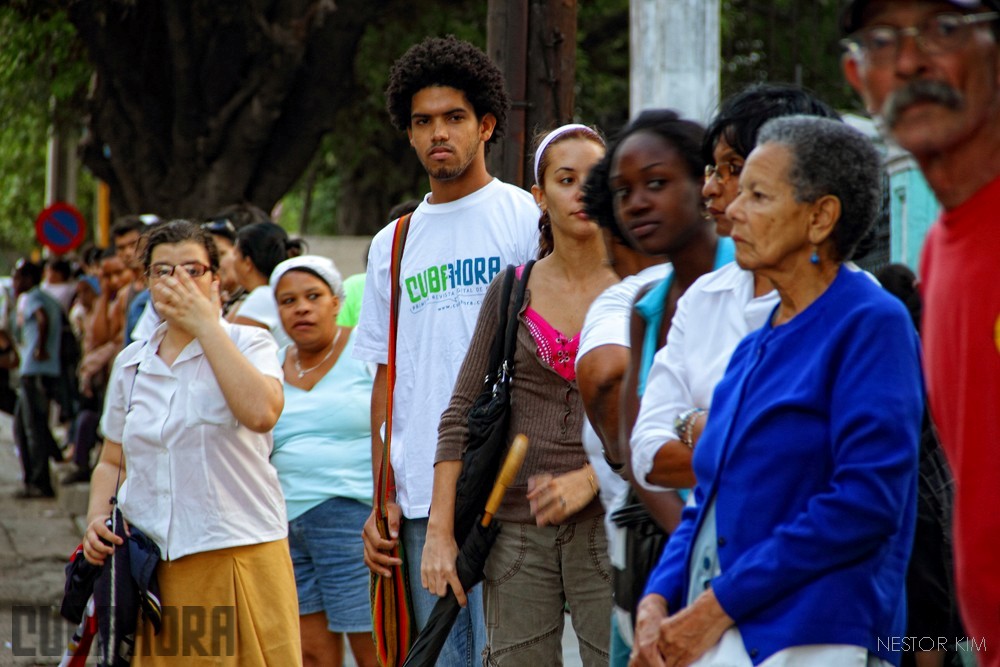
[497,350]
[386,479]
[510,337]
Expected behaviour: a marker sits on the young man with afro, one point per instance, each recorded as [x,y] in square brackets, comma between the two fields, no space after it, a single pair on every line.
[450,99]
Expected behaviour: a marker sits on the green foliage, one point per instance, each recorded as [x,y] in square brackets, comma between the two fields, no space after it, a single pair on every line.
[323,179]
[43,76]
[602,63]
[364,159]
[784,41]
[364,153]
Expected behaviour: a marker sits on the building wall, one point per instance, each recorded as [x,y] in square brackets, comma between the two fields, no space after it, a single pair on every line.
[349,253]
[913,210]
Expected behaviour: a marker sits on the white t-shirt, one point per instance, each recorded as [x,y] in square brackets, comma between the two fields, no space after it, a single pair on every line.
[198,480]
[260,306]
[607,323]
[452,252]
[61,292]
[712,317]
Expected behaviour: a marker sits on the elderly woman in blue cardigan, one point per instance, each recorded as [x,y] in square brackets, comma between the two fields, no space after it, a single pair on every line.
[795,550]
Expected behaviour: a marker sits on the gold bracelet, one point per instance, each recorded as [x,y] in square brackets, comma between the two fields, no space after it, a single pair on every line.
[593,482]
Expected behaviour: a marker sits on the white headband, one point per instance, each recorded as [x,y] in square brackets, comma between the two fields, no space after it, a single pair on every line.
[549,138]
[320,266]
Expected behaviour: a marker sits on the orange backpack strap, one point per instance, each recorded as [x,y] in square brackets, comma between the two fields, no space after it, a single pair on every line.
[387,480]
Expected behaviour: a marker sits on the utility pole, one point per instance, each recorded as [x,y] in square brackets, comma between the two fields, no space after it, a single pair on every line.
[675,56]
[533,42]
[61,163]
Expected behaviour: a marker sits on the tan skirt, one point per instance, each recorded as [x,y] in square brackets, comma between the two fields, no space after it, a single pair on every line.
[234,606]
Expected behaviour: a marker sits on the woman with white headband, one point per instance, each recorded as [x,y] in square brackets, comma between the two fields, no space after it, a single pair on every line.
[552,550]
[322,452]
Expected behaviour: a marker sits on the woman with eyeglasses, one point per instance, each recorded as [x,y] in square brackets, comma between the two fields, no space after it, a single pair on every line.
[712,316]
[190,411]
[719,309]
[794,549]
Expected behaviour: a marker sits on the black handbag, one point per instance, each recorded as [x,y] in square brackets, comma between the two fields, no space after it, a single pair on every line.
[489,416]
[644,544]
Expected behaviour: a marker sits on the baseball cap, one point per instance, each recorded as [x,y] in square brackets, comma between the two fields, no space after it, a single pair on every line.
[854,11]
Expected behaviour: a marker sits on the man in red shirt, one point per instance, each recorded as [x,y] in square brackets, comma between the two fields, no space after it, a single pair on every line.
[929,71]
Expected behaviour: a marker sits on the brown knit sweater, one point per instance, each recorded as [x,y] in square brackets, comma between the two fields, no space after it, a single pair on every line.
[544,407]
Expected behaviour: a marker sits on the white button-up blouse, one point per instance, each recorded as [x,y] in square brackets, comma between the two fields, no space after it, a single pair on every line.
[197,480]
[712,317]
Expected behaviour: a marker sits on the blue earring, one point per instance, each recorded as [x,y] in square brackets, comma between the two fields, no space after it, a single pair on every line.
[814,258]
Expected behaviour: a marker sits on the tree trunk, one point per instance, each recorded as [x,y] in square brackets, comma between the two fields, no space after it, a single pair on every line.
[198,104]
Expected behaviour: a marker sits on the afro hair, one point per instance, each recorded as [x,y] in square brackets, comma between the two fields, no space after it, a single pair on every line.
[447,61]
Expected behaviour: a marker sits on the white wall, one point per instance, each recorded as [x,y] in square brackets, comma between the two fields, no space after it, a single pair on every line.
[347,252]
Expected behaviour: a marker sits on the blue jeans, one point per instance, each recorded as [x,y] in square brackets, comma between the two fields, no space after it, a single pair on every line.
[467,640]
[330,572]
[620,651]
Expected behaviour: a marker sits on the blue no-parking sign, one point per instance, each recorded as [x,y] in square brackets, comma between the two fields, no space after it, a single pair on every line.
[60,228]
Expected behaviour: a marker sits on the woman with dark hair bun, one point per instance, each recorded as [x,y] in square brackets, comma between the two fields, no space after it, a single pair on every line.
[647,192]
[715,312]
[259,248]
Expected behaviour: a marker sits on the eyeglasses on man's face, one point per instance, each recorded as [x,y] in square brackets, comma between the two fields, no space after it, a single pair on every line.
[723,172]
[941,33]
[161,270]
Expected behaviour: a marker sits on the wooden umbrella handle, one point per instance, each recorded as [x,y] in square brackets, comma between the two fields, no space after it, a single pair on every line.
[508,472]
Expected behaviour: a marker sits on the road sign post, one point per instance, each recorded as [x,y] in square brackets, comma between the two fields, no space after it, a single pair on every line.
[60,228]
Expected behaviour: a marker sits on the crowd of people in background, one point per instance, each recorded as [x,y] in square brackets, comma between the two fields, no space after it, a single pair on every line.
[730,463]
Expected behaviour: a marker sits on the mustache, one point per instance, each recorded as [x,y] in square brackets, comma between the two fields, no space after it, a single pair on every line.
[920,91]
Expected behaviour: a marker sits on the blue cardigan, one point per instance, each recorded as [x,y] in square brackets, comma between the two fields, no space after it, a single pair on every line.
[811,454]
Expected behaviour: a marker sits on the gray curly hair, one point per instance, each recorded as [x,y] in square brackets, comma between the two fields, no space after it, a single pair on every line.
[832,158]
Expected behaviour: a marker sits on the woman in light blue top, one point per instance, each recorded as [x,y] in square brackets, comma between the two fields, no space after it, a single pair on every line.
[322,452]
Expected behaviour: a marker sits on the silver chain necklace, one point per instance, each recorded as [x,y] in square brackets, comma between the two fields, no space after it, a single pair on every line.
[333,346]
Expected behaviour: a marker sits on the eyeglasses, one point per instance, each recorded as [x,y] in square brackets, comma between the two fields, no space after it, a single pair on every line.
[160,270]
[939,34]
[723,172]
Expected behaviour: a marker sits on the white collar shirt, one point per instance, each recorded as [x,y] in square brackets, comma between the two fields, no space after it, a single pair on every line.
[197,479]
[712,317]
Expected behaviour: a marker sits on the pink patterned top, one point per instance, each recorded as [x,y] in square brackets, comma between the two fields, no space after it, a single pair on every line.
[554,348]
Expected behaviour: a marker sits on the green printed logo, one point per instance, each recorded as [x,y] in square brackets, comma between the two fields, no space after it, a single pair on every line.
[443,278]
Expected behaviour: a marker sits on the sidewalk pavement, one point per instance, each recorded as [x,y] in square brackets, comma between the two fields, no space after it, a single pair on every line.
[36,538]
